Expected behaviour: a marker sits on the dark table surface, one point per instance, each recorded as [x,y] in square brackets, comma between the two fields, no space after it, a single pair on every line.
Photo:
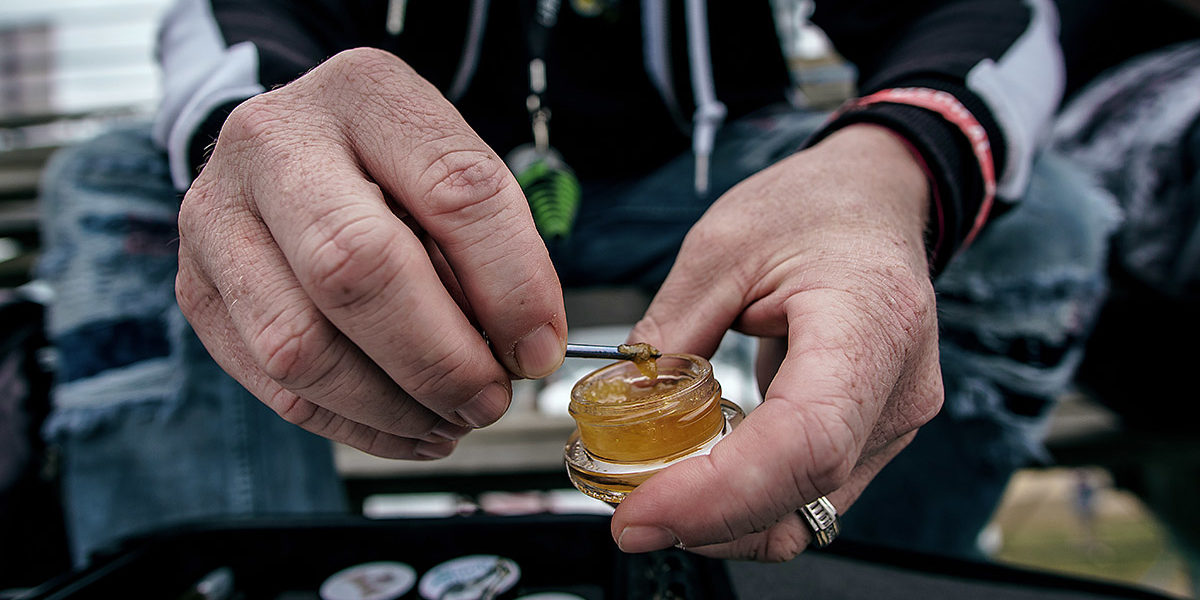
[563,552]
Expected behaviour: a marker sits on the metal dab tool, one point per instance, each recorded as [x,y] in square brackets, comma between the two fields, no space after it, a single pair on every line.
[622,352]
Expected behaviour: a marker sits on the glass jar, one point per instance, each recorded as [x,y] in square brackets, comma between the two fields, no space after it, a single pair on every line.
[631,427]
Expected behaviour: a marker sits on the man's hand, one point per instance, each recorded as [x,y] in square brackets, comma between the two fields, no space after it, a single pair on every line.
[345,246]
[822,255]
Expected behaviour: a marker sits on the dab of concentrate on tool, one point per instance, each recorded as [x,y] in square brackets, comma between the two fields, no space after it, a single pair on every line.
[632,352]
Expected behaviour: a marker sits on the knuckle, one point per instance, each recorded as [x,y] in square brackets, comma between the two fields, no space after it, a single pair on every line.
[921,404]
[188,295]
[829,470]
[912,301]
[315,419]
[265,135]
[709,234]
[904,299]
[378,443]
[284,354]
[383,86]
[727,530]
[189,221]
[345,266]
[438,376]
[199,211]
[829,475]
[933,397]
[257,119]
[832,446]
[280,355]
[297,411]
[463,184]
[750,514]
[782,544]
[407,419]
[364,67]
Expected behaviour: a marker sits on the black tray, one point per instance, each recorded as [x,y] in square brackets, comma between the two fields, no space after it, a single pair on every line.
[291,558]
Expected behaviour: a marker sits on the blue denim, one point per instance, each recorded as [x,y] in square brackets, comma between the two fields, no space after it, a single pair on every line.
[1014,312]
[628,231]
[153,432]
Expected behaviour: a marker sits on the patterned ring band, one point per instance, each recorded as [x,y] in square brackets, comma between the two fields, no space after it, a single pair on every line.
[822,519]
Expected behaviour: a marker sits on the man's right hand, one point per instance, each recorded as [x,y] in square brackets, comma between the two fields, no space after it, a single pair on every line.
[344,247]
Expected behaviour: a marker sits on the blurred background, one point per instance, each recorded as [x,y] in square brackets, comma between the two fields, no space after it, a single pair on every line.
[70,68]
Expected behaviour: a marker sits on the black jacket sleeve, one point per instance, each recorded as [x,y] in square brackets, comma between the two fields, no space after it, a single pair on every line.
[1000,59]
[215,54]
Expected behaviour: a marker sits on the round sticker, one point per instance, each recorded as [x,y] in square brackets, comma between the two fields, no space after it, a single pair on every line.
[470,577]
[370,581]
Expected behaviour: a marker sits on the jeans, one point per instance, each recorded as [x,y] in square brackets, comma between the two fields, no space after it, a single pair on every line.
[1014,312]
[150,430]
[153,432]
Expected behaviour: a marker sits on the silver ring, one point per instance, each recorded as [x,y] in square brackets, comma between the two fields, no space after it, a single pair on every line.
[822,519]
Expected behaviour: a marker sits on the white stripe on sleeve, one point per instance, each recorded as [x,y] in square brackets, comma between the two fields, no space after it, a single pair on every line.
[200,73]
[1024,89]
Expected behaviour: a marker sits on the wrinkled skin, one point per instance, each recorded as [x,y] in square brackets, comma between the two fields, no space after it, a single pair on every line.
[351,237]
[303,283]
[822,256]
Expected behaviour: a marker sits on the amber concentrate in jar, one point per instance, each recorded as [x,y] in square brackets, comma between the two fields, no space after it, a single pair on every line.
[626,417]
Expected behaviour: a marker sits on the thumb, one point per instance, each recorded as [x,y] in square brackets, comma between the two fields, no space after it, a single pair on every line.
[801,443]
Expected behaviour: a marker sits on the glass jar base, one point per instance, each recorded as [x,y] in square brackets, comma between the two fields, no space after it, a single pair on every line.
[612,481]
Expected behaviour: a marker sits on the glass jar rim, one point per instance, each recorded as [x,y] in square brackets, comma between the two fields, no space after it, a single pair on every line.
[703,372]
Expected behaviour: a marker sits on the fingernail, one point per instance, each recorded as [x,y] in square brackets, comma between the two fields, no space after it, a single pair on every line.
[539,353]
[642,538]
[432,450]
[486,407]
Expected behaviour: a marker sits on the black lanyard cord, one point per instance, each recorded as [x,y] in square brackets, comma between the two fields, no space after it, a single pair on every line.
[540,17]
[549,184]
